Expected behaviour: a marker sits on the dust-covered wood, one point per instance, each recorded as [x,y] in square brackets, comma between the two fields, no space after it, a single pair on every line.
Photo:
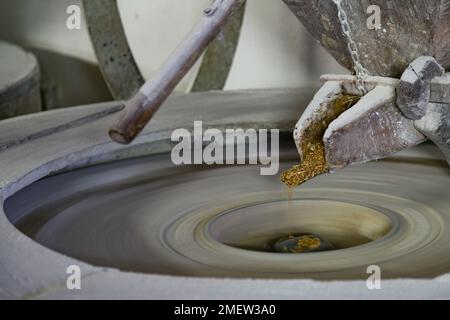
[409,29]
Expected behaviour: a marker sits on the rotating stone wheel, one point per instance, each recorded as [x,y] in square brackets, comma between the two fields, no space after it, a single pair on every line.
[148,216]
[119,66]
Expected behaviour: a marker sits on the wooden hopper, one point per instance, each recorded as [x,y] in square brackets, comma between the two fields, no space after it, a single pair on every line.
[375,127]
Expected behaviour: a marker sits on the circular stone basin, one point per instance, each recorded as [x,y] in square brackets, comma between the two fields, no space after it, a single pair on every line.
[148,215]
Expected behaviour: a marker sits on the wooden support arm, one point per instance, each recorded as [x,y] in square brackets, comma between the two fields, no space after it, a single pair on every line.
[140,109]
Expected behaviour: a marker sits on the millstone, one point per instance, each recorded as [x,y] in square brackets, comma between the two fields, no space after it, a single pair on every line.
[19,82]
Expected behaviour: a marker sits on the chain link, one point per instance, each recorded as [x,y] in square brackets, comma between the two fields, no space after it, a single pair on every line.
[361,72]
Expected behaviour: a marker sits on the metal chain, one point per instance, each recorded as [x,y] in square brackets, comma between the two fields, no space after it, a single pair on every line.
[361,72]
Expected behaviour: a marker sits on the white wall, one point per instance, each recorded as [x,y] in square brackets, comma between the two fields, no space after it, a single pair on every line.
[274,50]
[41,24]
